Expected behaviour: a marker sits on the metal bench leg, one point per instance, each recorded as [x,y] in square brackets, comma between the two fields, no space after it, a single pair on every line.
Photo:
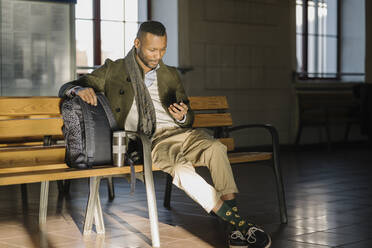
[60,186]
[98,216]
[278,177]
[298,137]
[94,211]
[347,131]
[44,190]
[328,132]
[168,191]
[110,188]
[150,191]
[24,197]
[280,192]
[66,186]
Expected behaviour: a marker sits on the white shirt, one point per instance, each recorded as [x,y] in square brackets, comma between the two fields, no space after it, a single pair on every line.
[163,120]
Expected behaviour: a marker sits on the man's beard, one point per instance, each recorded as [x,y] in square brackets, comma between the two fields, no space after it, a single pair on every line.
[143,60]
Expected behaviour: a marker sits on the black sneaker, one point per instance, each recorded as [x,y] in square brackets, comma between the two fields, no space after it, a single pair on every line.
[257,238]
[237,240]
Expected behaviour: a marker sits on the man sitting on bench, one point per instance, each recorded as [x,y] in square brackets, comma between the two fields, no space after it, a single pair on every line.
[147,95]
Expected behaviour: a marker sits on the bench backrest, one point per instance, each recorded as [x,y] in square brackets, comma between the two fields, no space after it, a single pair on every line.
[211,112]
[25,122]
[318,105]
[325,99]
[29,118]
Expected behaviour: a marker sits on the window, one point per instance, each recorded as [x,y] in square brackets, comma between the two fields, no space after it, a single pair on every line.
[317,38]
[105,29]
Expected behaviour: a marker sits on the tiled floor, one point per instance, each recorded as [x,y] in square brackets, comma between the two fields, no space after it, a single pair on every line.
[329,198]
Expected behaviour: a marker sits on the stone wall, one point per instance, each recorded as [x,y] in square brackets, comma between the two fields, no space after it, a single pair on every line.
[244,50]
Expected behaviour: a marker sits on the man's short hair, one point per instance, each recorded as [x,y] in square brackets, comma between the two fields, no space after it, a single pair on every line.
[152,27]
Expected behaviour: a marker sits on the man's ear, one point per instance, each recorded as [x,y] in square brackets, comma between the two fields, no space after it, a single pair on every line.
[137,43]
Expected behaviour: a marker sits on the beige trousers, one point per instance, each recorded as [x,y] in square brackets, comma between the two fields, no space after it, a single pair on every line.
[176,150]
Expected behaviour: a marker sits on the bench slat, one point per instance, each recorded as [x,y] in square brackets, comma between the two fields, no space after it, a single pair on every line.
[62,174]
[228,142]
[30,127]
[243,157]
[18,117]
[24,106]
[213,120]
[208,102]
[30,156]
[9,169]
[35,143]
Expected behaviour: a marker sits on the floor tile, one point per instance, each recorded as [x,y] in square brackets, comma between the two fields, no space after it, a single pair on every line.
[294,244]
[327,239]
[362,244]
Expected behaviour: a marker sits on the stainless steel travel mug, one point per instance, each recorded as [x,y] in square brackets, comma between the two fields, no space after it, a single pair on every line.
[119,148]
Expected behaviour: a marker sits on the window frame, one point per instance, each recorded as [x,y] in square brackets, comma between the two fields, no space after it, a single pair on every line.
[303,73]
[96,22]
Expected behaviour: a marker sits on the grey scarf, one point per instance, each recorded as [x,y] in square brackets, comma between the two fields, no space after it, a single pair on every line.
[146,110]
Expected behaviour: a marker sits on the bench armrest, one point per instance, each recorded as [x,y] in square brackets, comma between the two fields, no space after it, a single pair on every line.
[276,164]
[271,129]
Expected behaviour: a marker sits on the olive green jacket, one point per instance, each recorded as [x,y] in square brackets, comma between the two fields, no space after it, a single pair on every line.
[113,80]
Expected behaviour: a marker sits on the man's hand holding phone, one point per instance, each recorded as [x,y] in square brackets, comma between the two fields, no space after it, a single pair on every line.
[178,110]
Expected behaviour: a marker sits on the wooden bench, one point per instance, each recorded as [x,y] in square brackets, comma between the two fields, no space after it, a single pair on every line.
[325,108]
[211,112]
[32,150]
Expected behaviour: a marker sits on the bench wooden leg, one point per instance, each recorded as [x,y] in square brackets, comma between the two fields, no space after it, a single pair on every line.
[150,191]
[44,190]
[94,210]
[168,192]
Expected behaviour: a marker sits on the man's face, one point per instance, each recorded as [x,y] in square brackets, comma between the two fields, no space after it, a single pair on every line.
[150,49]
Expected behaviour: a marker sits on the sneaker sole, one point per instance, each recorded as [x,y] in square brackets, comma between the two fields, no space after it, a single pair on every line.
[269,244]
[239,246]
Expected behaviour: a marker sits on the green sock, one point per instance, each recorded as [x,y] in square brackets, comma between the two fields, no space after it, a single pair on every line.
[232,204]
[233,218]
